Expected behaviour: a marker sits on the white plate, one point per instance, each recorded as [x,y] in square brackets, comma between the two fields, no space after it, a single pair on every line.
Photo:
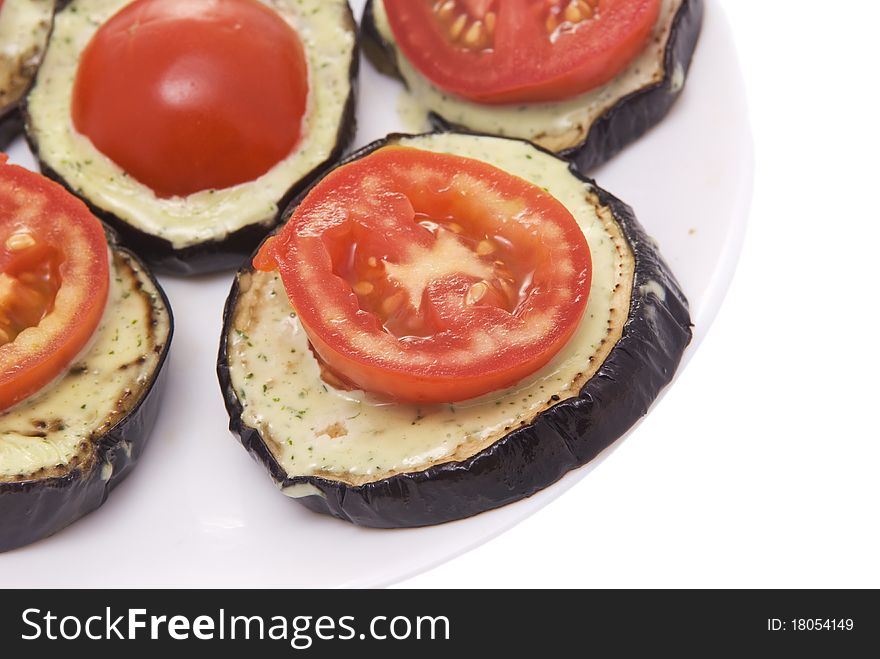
[199,512]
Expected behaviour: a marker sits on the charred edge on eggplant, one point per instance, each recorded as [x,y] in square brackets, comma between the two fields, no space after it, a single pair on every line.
[214,255]
[566,436]
[625,122]
[31,510]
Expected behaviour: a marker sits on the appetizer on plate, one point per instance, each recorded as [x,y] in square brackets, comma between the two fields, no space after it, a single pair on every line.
[84,331]
[24,32]
[583,78]
[188,125]
[445,324]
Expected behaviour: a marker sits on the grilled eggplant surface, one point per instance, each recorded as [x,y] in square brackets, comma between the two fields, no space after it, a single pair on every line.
[401,465]
[588,129]
[63,450]
[24,32]
[213,229]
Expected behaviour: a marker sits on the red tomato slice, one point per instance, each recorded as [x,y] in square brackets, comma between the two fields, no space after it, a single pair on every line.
[54,281]
[191,95]
[521,51]
[427,277]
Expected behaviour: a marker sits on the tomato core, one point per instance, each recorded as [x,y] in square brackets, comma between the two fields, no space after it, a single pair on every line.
[427,277]
[379,292]
[192,95]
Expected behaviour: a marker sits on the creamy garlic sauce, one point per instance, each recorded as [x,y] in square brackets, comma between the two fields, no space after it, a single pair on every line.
[53,428]
[328,37]
[301,491]
[24,29]
[412,114]
[555,126]
[312,428]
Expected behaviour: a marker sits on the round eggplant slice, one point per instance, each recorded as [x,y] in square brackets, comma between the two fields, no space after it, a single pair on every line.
[396,465]
[588,129]
[24,32]
[213,229]
[63,450]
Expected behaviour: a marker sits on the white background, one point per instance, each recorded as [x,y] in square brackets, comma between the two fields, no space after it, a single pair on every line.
[761,467]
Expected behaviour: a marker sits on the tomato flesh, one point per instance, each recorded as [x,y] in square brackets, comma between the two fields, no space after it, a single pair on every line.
[426,277]
[521,51]
[54,281]
[192,95]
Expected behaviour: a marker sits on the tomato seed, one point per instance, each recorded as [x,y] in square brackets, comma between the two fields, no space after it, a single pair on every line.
[445,10]
[458,27]
[391,305]
[485,248]
[474,35]
[490,22]
[20,241]
[477,292]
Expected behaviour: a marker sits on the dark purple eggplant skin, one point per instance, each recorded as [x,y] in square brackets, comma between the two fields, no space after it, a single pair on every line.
[36,509]
[215,255]
[625,122]
[11,125]
[564,437]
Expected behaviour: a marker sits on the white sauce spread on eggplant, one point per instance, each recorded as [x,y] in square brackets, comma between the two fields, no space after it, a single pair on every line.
[314,429]
[555,126]
[325,30]
[24,29]
[46,434]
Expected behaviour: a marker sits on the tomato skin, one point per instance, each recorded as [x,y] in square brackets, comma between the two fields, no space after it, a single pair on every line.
[182,97]
[523,64]
[463,345]
[69,241]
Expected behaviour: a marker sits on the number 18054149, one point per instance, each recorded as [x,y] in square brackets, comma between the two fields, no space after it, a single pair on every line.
[810,624]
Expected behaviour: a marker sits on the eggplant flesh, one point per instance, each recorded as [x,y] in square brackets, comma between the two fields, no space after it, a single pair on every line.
[588,130]
[25,26]
[65,449]
[567,430]
[233,220]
